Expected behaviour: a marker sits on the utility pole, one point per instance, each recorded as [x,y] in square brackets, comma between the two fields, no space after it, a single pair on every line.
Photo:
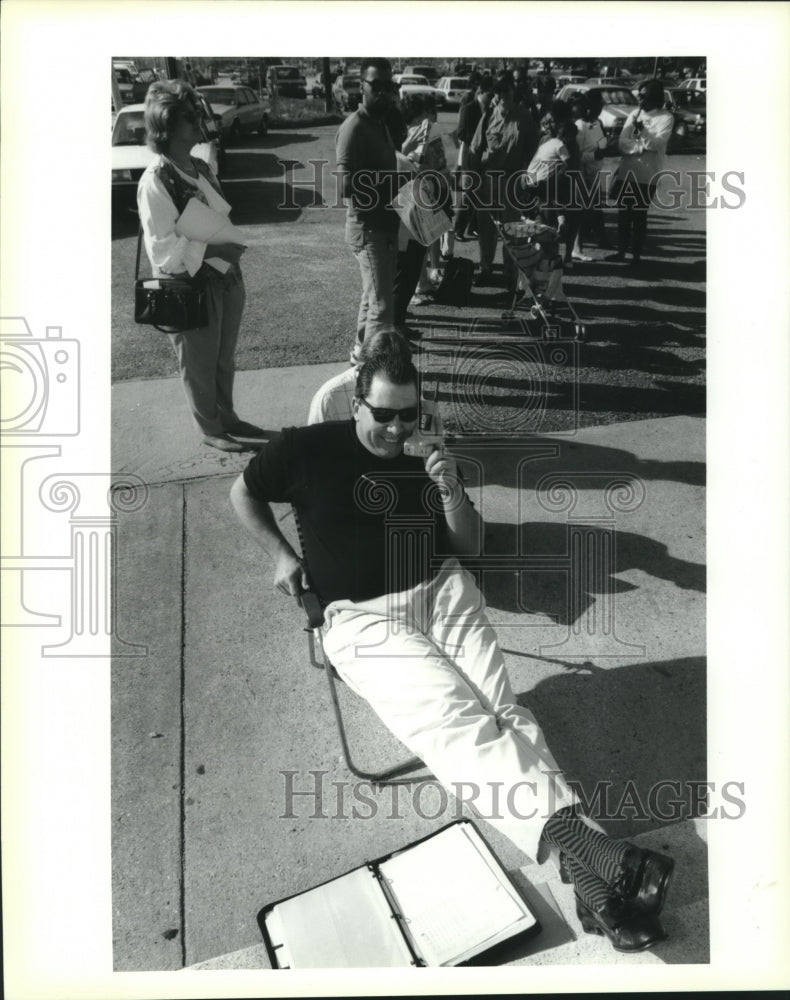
[171,67]
[326,76]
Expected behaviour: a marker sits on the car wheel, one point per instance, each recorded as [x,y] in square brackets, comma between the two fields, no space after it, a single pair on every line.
[235,131]
[263,125]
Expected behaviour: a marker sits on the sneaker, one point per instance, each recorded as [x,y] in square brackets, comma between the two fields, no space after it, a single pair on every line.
[578,255]
[421,299]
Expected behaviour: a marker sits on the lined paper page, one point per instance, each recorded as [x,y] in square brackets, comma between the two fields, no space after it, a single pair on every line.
[456,901]
[344,924]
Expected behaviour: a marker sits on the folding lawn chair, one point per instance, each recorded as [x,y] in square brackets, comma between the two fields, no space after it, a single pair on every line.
[314,611]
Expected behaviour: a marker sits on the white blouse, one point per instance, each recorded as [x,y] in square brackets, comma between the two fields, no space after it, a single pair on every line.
[168,252]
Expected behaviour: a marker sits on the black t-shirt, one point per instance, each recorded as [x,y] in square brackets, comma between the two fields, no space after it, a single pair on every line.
[369,525]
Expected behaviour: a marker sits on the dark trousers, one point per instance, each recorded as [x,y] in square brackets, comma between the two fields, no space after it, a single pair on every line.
[407,275]
[632,219]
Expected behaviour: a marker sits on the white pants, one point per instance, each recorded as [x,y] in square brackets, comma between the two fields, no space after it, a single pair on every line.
[428,662]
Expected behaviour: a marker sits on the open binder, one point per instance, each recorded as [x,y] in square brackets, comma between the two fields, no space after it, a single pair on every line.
[442,901]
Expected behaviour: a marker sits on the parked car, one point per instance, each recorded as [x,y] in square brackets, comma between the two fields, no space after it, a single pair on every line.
[567,80]
[429,72]
[608,81]
[690,111]
[696,83]
[131,154]
[454,88]
[125,84]
[347,91]
[238,110]
[618,103]
[288,80]
[141,82]
[413,83]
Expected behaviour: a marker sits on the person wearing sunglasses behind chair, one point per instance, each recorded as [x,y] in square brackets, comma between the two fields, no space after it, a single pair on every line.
[205,355]
[367,172]
[430,665]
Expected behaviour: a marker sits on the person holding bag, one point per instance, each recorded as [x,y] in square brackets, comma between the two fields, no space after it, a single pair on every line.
[643,143]
[205,353]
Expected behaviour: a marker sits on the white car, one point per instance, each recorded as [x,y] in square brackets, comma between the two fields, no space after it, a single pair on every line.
[414,84]
[618,103]
[698,83]
[131,154]
[454,88]
[238,109]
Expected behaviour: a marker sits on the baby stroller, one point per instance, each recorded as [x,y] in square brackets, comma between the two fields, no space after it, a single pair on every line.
[533,248]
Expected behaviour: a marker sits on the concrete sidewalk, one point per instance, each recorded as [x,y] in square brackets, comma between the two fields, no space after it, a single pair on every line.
[225,702]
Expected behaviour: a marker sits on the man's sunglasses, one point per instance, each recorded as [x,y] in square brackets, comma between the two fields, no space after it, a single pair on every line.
[382,86]
[383,414]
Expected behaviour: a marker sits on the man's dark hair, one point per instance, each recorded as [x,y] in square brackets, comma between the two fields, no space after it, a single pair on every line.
[579,106]
[560,111]
[392,362]
[504,84]
[382,65]
[654,91]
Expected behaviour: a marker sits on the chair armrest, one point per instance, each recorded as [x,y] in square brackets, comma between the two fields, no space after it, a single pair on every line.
[311,606]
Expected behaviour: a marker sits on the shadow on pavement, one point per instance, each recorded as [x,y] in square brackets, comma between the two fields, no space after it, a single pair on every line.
[655,732]
[545,591]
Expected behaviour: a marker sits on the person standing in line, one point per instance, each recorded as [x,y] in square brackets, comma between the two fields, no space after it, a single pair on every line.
[504,143]
[367,172]
[643,143]
[592,146]
[205,355]
[472,109]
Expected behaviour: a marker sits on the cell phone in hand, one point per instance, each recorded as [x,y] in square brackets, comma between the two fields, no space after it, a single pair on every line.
[427,436]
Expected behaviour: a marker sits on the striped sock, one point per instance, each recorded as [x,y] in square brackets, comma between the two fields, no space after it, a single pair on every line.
[589,888]
[601,856]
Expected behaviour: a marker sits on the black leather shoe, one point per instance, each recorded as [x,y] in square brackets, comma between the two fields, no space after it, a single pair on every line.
[627,929]
[644,879]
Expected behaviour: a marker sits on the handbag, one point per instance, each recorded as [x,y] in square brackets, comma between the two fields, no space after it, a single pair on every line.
[170,305]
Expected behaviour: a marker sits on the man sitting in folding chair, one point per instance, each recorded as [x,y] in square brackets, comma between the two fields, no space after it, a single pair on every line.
[406,629]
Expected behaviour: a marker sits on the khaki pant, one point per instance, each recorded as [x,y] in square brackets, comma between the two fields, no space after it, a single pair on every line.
[206,356]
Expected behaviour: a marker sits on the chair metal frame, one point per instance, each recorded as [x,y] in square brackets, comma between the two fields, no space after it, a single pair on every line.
[310,603]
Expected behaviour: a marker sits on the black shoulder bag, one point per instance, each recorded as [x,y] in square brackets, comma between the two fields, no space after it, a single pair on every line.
[170,305]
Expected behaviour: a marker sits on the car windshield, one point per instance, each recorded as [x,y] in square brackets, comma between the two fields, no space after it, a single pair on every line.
[220,95]
[123,76]
[459,83]
[619,96]
[419,81]
[351,82]
[287,73]
[129,129]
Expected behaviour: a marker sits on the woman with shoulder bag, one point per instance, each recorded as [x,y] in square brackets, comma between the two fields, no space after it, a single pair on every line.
[205,354]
